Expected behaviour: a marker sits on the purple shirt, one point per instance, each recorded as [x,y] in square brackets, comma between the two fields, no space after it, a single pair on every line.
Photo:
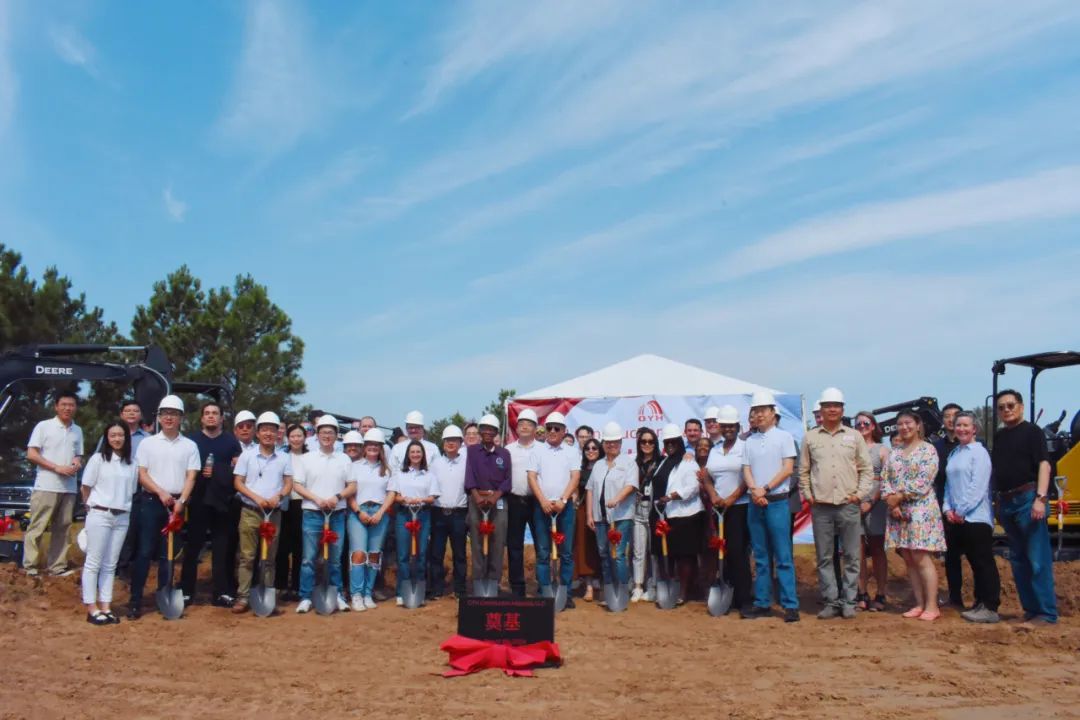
[487,470]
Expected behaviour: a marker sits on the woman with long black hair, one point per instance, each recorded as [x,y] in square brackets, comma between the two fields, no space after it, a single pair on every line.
[586,557]
[291,545]
[648,459]
[674,486]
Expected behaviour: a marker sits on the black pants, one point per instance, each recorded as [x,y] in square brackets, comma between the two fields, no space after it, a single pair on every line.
[519,515]
[152,517]
[290,548]
[975,541]
[447,527]
[224,540]
[737,555]
[197,530]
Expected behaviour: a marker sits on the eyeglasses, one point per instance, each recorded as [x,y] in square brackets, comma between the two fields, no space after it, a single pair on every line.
[648,442]
[862,424]
[1008,406]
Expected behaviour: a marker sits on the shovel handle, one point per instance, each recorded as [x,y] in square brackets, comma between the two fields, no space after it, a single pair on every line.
[169,544]
[262,549]
[326,546]
[663,544]
[485,546]
[414,549]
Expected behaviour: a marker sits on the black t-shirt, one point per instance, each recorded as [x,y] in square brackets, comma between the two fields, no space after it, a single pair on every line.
[1016,455]
[216,491]
[944,446]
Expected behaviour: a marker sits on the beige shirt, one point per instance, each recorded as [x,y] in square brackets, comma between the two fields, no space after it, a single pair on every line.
[835,465]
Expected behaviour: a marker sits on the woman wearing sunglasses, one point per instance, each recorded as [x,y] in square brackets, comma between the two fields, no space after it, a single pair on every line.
[873,520]
[586,557]
[648,460]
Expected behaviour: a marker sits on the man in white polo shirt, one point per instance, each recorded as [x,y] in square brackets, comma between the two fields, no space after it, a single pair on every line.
[168,463]
[448,517]
[519,501]
[263,478]
[553,479]
[56,448]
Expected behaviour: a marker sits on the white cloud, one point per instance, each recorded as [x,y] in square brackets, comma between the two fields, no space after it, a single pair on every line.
[9,82]
[74,49]
[277,94]
[175,207]
[1048,194]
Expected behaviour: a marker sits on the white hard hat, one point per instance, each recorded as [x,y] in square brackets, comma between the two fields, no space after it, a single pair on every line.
[244,416]
[268,418]
[452,432]
[728,415]
[171,402]
[375,435]
[711,412]
[817,406]
[489,420]
[555,418]
[353,437]
[528,414]
[414,418]
[612,431]
[327,421]
[762,398]
[831,395]
[671,431]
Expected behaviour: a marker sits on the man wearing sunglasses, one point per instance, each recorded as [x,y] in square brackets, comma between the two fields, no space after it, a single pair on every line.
[1021,479]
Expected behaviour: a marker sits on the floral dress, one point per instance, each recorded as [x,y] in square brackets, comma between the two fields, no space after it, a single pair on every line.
[913,473]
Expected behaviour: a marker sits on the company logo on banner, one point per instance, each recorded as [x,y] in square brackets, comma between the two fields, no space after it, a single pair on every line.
[650,412]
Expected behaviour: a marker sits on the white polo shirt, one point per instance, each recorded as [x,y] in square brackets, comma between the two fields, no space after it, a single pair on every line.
[59,444]
[522,458]
[324,475]
[371,487]
[415,483]
[168,461]
[451,476]
[764,453]
[683,480]
[725,469]
[112,481]
[553,465]
[397,454]
[264,475]
[613,480]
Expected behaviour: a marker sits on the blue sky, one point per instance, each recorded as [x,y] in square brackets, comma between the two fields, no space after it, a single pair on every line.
[450,198]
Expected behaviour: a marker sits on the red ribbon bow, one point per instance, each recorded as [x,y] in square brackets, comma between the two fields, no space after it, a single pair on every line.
[717,543]
[7,524]
[329,537]
[1063,507]
[614,536]
[413,526]
[176,521]
[557,537]
[662,528]
[469,656]
[486,527]
[267,531]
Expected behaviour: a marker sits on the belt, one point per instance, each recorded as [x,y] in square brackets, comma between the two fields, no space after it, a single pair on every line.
[152,496]
[453,511]
[777,497]
[114,511]
[1006,494]
[517,498]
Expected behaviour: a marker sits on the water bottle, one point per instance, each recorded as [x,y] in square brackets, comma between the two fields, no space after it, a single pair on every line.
[208,466]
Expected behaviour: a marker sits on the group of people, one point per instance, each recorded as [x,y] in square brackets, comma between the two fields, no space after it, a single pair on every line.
[597,511]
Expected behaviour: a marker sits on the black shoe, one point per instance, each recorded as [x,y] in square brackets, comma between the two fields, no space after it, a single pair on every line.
[97,618]
[134,612]
[112,618]
[570,603]
[754,612]
[223,601]
[188,601]
[791,615]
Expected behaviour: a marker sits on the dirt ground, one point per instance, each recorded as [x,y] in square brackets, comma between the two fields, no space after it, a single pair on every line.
[641,663]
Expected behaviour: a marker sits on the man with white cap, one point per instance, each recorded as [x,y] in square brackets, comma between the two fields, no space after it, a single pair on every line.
[244,430]
[768,462]
[519,511]
[414,430]
[168,462]
[553,479]
[487,481]
[448,517]
[836,477]
[324,480]
[263,479]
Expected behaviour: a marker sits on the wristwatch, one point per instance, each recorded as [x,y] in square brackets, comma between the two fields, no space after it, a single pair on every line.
[1040,498]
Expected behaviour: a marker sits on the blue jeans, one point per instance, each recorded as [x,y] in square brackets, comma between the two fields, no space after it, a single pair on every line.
[450,527]
[404,544]
[367,539]
[770,536]
[313,527]
[1030,555]
[542,544]
[149,518]
[622,562]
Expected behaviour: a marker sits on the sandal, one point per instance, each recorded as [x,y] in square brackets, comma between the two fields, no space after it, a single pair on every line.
[97,618]
[588,593]
[862,601]
[879,604]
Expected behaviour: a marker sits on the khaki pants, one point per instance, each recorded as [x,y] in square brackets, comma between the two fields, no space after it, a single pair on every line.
[250,545]
[49,511]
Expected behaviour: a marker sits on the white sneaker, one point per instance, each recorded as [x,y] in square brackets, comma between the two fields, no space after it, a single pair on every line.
[62,573]
[369,603]
[637,596]
[342,606]
[303,607]
[33,572]
[358,604]
[650,595]
[399,601]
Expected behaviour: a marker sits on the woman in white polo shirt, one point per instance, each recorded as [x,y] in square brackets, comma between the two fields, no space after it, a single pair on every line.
[727,493]
[610,498]
[108,483]
[413,485]
[685,514]
[367,519]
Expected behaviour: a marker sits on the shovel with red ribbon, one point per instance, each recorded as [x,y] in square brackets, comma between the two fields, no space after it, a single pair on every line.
[667,588]
[616,589]
[485,586]
[264,596]
[560,590]
[1063,509]
[170,600]
[324,596]
[413,589]
[721,592]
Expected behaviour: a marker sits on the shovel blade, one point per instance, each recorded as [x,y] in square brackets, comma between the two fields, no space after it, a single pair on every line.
[667,594]
[560,598]
[485,588]
[615,598]
[720,599]
[170,602]
[324,598]
[546,591]
[412,593]
[263,600]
